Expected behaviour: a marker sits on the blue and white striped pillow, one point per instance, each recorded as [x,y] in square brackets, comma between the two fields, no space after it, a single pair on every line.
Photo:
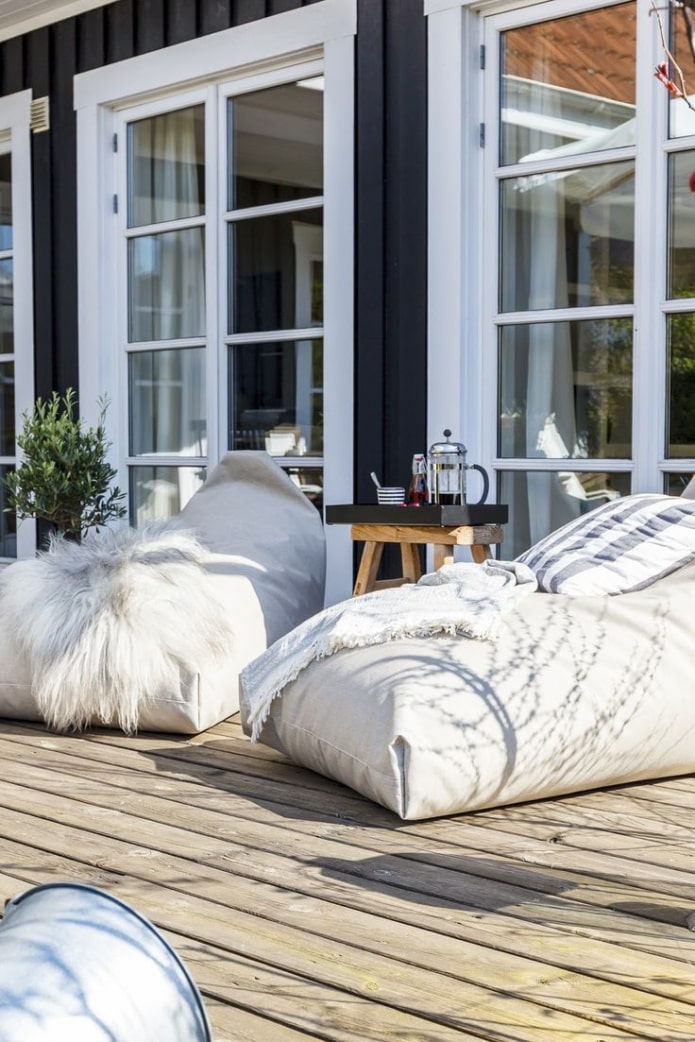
[624,545]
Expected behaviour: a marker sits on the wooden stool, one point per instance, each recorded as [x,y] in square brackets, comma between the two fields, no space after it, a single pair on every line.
[478,537]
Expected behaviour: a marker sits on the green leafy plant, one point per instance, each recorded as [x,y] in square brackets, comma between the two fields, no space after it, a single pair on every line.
[64,477]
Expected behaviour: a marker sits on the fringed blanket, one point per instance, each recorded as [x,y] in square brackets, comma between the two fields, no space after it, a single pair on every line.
[464,599]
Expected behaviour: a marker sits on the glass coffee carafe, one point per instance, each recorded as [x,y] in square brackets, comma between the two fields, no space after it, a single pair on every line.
[447,473]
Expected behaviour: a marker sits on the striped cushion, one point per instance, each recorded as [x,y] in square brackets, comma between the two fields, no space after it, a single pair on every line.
[624,545]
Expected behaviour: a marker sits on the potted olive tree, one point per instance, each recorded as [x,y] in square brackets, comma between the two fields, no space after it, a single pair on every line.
[64,479]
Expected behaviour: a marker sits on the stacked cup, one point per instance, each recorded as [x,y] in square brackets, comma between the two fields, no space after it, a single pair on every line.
[390,495]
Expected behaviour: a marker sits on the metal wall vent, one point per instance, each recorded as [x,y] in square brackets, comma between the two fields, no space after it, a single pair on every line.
[39,115]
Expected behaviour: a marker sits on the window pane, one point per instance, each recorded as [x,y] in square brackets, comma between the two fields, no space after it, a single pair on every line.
[310,481]
[681,225]
[160,492]
[681,117]
[276,144]
[167,402]
[7,431]
[541,501]
[6,307]
[675,484]
[167,285]
[5,202]
[567,238]
[276,396]
[680,421]
[8,522]
[561,93]
[166,167]
[566,390]
[275,282]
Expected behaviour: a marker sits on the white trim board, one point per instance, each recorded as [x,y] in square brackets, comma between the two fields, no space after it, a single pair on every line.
[14,125]
[218,55]
[18,17]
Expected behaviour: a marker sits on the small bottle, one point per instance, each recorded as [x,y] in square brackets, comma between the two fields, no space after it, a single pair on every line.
[418,494]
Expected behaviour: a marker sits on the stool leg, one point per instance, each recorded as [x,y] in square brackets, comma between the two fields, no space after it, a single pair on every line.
[443,554]
[481,552]
[369,567]
[411,562]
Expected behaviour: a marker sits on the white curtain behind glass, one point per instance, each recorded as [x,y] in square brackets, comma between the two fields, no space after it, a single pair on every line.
[550,383]
[174,423]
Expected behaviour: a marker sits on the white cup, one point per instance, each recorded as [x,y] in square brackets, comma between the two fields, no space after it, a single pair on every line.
[390,495]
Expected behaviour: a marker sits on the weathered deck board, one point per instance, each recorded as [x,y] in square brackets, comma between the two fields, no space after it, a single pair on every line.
[305,912]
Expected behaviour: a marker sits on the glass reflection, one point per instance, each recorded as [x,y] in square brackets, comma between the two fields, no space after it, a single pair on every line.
[166,165]
[160,492]
[6,307]
[681,117]
[561,94]
[166,283]
[276,391]
[541,501]
[8,522]
[7,430]
[566,390]
[276,144]
[5,201]
[676,484]
[681,225]
[167,402]
[680,422]
[308,480]
[567,238]
[275,282]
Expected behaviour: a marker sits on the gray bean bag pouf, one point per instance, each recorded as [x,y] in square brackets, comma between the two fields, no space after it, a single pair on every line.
[574,691]
[150,629]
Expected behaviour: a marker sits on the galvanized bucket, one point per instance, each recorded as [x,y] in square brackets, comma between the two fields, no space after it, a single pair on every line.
[78,965]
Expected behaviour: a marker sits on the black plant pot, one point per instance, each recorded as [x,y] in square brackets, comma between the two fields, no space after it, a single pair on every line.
[46,529]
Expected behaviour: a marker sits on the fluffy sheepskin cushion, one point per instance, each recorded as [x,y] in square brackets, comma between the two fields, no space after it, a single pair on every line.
[111,624]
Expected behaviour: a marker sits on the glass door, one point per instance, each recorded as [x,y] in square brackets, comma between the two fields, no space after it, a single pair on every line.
[274,239]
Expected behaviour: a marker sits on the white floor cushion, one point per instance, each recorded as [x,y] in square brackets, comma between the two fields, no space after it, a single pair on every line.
[263,566]
[575,693]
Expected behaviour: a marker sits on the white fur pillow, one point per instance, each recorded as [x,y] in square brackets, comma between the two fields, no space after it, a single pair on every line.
[113,622]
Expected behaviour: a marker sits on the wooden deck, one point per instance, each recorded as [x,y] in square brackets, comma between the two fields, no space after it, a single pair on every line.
[305,912]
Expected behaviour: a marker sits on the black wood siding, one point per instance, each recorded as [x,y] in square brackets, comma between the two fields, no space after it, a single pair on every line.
[391,288]
[391,245]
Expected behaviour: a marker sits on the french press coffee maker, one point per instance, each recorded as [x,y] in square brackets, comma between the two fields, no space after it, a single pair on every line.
[447,473]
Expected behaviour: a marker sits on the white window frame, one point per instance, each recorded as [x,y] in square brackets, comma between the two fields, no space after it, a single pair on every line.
[15,138]
[250,56]
[462,237]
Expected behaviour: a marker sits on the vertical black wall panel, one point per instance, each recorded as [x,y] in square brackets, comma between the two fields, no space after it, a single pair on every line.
[12,66]
[215,15]
[120,30]
[405,121]
[64,144]
[391,256]
[91,37]
[248,10]
[181,18]
[149,25]
[38,67]
[279,6]
[369,250]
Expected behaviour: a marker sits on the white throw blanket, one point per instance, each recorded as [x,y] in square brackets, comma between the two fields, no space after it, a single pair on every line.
[464,599]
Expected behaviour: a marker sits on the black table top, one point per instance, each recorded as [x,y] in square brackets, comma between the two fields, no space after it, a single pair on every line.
[433,514]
